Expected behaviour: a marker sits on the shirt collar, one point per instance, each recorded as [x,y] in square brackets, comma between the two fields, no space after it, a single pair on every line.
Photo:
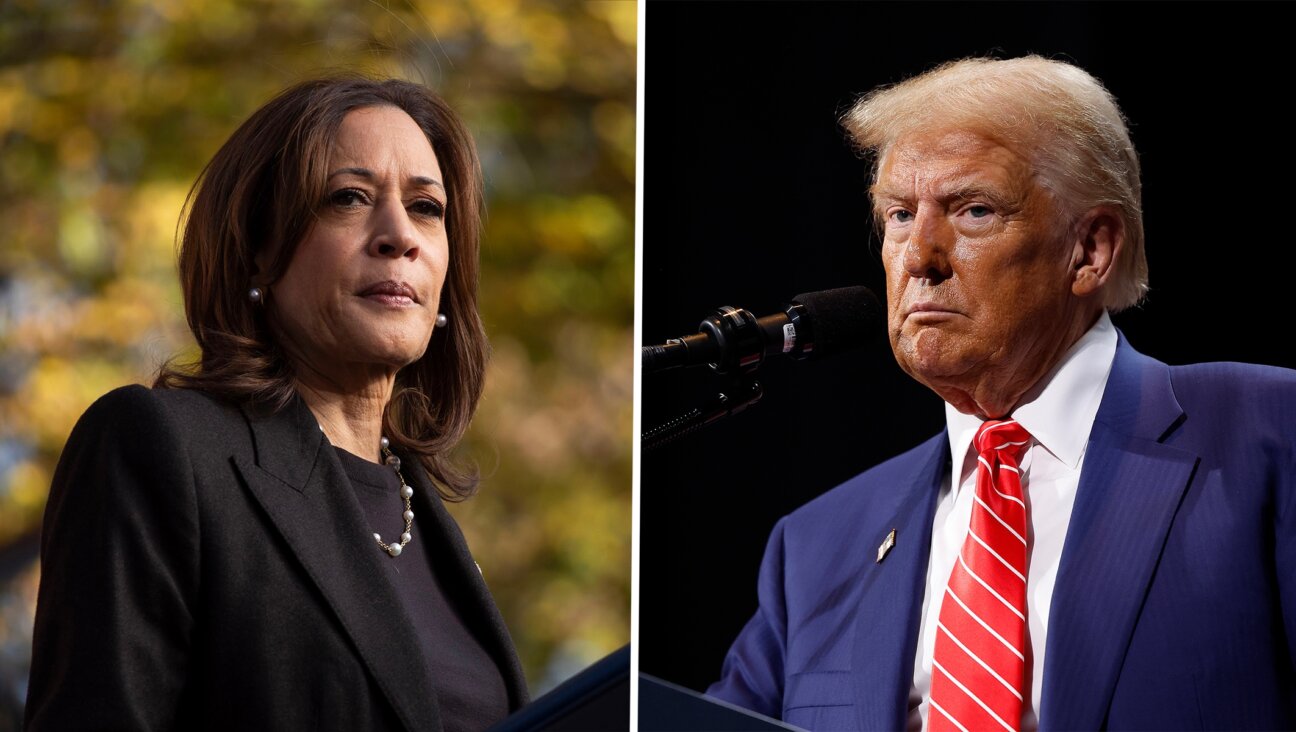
[1059,410]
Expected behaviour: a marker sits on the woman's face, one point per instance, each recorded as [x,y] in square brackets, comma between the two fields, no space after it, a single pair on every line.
[362,290]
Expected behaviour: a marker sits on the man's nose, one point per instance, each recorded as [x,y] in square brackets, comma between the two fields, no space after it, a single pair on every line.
[927,254]
[394,234]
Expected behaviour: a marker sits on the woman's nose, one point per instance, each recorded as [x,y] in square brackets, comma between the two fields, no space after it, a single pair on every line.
[394,234]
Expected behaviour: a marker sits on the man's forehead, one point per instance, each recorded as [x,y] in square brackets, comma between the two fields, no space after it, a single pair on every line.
[948,161]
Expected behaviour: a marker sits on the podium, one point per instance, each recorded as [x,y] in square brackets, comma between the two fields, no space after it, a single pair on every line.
[596,699]
[667,707]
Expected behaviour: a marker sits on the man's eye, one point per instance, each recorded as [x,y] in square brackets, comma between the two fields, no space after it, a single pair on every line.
[979,212]
[902,216]
[347,197]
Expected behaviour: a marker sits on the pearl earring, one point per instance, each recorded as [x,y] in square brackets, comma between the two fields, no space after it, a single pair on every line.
[255,295]
[441,320]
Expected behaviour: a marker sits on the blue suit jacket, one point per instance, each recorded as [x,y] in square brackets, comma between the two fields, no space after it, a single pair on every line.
[1175,601]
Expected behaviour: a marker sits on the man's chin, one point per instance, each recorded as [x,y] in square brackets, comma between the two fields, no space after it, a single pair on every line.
[932,354]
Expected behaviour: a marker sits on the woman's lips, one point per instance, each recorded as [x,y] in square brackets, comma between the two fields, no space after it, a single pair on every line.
[390,293]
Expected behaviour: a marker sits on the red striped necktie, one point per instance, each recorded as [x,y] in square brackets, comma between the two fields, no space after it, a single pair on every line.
[979,664]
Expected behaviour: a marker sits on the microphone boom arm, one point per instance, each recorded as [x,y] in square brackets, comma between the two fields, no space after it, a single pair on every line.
[747,391]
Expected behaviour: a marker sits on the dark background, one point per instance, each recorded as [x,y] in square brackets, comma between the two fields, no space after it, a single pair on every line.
[752,195]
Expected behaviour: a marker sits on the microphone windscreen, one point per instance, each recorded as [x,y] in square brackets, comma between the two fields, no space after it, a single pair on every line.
[842,319]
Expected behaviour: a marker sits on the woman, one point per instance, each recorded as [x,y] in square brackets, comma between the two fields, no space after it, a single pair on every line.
[241,546]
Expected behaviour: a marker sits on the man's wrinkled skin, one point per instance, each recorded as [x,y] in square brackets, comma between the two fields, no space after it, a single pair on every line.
[989,281]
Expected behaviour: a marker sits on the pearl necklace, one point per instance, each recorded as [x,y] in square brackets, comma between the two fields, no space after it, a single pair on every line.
[406,493]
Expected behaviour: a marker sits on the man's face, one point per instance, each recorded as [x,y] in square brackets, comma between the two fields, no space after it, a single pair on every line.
[978,268]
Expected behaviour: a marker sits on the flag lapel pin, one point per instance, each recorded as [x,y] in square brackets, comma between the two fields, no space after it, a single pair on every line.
[885,547]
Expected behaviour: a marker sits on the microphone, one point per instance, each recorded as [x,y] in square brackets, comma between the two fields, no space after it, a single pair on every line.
[820,323]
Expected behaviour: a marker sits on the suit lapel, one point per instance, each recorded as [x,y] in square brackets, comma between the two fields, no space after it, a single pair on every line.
[887,619]
[1130,487]
[476,603]
[299,481]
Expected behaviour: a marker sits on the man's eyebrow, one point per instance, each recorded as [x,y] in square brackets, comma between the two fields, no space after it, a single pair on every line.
[883,195]
[957,192]
[368,174]
[881,190]
[975,190]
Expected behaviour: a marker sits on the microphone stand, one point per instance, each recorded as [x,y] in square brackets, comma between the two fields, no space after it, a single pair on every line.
[744,391]
[735,343]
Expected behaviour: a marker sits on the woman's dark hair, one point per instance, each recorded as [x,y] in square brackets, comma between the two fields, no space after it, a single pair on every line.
[261,193]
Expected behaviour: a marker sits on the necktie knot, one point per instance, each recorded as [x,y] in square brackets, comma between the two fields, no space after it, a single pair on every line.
[1002,439]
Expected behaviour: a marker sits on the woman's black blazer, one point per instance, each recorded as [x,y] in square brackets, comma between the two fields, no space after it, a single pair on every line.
[207,567]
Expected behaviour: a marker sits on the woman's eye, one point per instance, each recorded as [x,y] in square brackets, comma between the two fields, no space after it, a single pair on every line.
[347,197]
[428,207]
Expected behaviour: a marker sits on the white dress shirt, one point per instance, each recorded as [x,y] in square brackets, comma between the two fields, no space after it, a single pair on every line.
[1059,413]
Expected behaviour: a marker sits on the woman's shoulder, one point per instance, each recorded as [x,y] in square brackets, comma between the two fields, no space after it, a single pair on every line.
[160,413]
[143,401]
[135,438]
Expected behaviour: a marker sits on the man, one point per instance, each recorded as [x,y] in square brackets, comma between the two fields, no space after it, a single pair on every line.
[1113,541]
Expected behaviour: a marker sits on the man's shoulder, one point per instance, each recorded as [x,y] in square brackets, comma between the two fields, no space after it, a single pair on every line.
[1236,398]
[1213,379]
[1209,397]
[1241,379]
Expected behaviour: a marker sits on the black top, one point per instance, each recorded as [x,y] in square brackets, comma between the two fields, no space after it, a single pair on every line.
[469,685]
[204,567]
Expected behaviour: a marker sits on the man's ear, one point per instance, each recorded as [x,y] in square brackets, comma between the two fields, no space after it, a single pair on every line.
[1099,239]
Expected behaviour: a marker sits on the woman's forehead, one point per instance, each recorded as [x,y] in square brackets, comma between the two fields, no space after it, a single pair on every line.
[383,138]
